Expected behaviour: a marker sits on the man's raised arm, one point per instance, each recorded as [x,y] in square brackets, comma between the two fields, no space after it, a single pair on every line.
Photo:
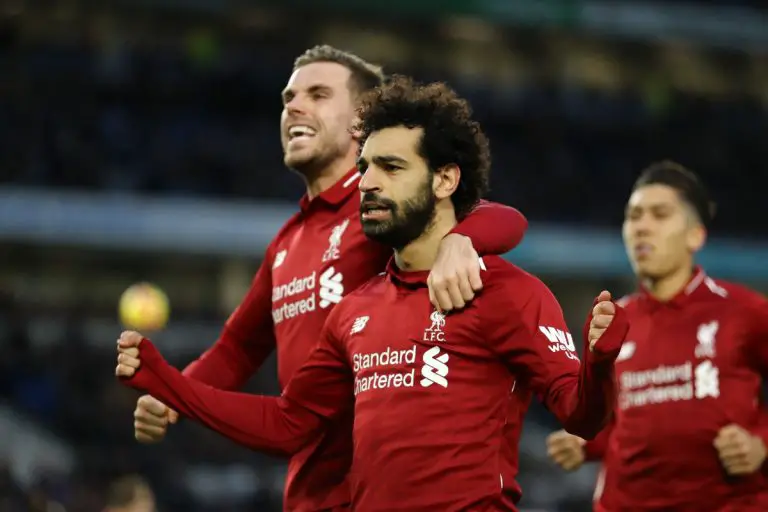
[531,334]
[493,228]
[321,389]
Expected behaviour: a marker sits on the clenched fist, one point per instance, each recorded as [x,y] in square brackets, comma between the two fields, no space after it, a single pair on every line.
[566,450]
[128,360]
[740,452]
[455,276]
[602,315]
[151,417]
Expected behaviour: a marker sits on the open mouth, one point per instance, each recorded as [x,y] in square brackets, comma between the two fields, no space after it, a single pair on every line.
[643,250]
[300,132]
[374,211]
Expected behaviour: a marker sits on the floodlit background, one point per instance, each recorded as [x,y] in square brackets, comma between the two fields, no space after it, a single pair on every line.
[139,141]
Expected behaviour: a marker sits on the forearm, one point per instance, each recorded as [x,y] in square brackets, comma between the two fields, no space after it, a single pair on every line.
[595,449]
[268,424]
[493,228]
[584,405]
[761,431]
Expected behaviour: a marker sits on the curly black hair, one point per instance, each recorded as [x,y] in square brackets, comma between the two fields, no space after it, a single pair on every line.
[685,182]
[450,136]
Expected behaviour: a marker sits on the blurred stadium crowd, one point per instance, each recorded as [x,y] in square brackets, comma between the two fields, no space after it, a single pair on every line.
[179,103]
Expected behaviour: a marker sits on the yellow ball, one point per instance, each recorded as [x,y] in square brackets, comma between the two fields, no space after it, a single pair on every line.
[144,307]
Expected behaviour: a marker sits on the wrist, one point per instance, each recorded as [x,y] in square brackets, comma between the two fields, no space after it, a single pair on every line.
[760,447]
[456,233]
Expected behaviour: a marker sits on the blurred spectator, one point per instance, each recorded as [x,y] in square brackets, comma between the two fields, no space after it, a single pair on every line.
[130,494]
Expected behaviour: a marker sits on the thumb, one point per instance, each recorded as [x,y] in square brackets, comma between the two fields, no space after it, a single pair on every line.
[605,295]
[729,431]
[173,416]
[129,339]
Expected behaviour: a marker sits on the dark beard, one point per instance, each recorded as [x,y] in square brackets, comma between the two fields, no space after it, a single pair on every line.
[407,221]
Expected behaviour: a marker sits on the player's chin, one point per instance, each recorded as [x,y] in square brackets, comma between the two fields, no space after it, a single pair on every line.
[298,159]
[648,269]
[376,229]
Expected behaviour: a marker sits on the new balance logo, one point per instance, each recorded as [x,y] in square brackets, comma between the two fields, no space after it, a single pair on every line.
[331,287]
[279,258]
[627,351]
[359,324]
[435,368]
[559,341]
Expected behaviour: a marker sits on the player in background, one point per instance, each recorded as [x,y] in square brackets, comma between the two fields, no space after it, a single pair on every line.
[130,494]
[433,395]
[319,256]
[689,433]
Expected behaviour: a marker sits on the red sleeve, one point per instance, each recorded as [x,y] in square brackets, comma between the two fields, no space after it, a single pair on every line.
[757,354]
[757,336]
[761,431]
[321,389]
[531,334]
[595,449]
[493,228]
[246,340]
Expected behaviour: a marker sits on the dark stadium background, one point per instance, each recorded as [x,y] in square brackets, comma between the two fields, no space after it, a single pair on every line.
[139,141]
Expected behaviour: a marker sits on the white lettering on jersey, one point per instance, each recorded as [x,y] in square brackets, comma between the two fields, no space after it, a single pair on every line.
[433,371]
[435,331]
[386,379]
[707,380]
[331,287]
[330,291]
[559,341]
[334,241]
[435,368]
[669,384]
[706,338]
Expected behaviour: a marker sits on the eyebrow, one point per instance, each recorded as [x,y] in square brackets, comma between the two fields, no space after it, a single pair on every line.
[311,89]
[389,159]
[652,206]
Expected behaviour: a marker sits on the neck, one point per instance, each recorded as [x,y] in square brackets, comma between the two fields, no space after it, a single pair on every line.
[422,252]
[667,287]
[321,180]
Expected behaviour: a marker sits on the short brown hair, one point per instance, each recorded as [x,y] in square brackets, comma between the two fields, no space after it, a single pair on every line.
[123,491]
[450,136]
[364,76]
[685,182]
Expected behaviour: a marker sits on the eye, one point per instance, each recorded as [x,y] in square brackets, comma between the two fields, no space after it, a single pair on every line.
[390,167]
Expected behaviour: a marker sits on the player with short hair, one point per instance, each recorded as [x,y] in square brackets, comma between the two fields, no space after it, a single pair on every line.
[319,256]
[438,400]
[689,433]
[130,493]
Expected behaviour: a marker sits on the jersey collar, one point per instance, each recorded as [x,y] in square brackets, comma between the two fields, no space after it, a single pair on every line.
[339,193]
[414,279]
[683,296]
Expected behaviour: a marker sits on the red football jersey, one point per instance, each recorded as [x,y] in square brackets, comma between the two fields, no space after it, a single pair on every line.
[319,256]
[430,393]
[689,367]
